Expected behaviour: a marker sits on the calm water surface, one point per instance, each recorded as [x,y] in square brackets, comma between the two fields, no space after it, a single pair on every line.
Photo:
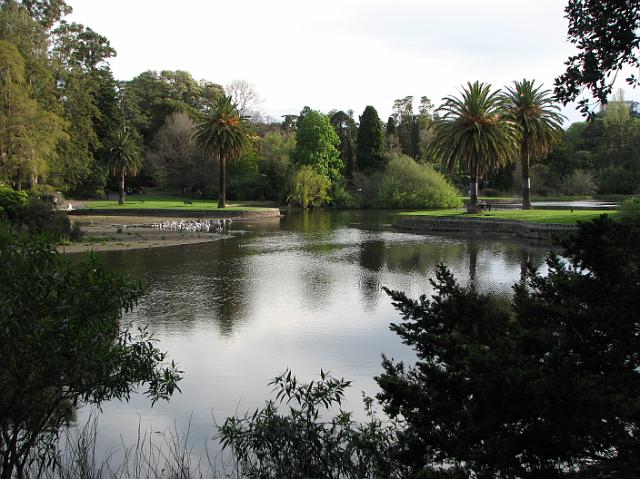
[303,292]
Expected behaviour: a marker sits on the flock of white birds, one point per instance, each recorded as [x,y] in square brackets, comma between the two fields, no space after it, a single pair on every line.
[194,226]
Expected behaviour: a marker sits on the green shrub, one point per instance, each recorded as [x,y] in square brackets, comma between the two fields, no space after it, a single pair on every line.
[12,203]
[301,440]
[407,184]
[630,211]
[366,187]
[40,217]
[579,183]
[34,214]
[346,200]
[309,188]
[44,190]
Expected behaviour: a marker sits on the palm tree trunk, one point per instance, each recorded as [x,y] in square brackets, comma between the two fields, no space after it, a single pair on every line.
[222,161]
[526,181]
[121,197]
[472,207]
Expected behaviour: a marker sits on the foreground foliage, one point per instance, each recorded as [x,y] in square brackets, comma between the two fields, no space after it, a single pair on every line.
[34,215]
[607,40]
[61,345]
[305,442]
[545,388]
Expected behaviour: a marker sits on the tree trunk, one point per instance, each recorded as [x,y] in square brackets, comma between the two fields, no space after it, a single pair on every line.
[19,180]
[222,176]
[472,207]
[121,197]
[526,181]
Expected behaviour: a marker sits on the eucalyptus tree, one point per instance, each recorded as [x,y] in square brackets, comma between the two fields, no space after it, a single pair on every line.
[124,158]
[223,133]
[473,133]
[539,123]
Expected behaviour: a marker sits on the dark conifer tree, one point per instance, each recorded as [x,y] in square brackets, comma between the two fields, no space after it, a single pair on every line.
[370,149]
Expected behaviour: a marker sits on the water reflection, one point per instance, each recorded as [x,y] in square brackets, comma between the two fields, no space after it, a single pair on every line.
[303,292]
[204,284]
[372,259]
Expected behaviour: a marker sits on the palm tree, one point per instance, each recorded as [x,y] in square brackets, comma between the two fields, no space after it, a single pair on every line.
[223,134]
[473,134]
[124,157]
[539,124]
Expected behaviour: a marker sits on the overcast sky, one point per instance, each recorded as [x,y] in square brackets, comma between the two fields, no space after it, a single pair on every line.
[336,54]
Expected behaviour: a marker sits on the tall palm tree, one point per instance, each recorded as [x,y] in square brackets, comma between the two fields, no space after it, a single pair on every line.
[539,124]
[223,134]
[124,157]
[473,134]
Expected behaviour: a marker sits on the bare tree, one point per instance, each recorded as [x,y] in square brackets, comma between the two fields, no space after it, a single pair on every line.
[246,98]
[173,159]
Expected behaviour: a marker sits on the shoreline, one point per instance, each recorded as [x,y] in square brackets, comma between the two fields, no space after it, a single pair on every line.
[131,245]
[504,227]
[128,233]
[178,213]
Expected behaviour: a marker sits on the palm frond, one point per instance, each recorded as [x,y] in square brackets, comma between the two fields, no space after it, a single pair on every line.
[473,132]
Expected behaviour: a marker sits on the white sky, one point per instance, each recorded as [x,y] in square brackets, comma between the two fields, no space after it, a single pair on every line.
[337,54]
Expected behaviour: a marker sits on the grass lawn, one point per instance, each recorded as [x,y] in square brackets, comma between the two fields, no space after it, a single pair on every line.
[517,199]
[167,202]
[566,217]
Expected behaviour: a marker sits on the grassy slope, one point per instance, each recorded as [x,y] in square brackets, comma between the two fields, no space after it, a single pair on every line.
[166,203]
[536,216]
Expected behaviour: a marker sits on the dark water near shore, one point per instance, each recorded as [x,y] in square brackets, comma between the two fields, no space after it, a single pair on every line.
[303,292]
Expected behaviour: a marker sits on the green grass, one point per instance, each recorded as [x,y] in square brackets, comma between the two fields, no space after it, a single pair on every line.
[565,217]
[516,199]
[167,202]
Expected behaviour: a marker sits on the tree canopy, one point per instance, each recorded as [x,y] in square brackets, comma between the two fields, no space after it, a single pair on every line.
[474,134]
[607,36]
[539,124]
[223,134]
[317,145]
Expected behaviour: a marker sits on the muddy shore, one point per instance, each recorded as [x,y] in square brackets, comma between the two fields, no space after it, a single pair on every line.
[111,233]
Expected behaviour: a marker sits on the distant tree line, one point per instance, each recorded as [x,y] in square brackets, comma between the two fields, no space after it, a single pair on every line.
[64,121]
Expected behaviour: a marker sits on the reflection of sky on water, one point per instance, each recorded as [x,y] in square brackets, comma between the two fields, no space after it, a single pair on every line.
[235,313]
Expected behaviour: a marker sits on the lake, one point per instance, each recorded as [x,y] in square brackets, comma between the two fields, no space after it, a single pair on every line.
[302,292]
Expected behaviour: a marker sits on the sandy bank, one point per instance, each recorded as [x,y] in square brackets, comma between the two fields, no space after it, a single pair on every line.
[107,233]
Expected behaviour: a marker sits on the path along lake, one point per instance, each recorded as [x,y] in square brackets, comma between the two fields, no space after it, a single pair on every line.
[302,292]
